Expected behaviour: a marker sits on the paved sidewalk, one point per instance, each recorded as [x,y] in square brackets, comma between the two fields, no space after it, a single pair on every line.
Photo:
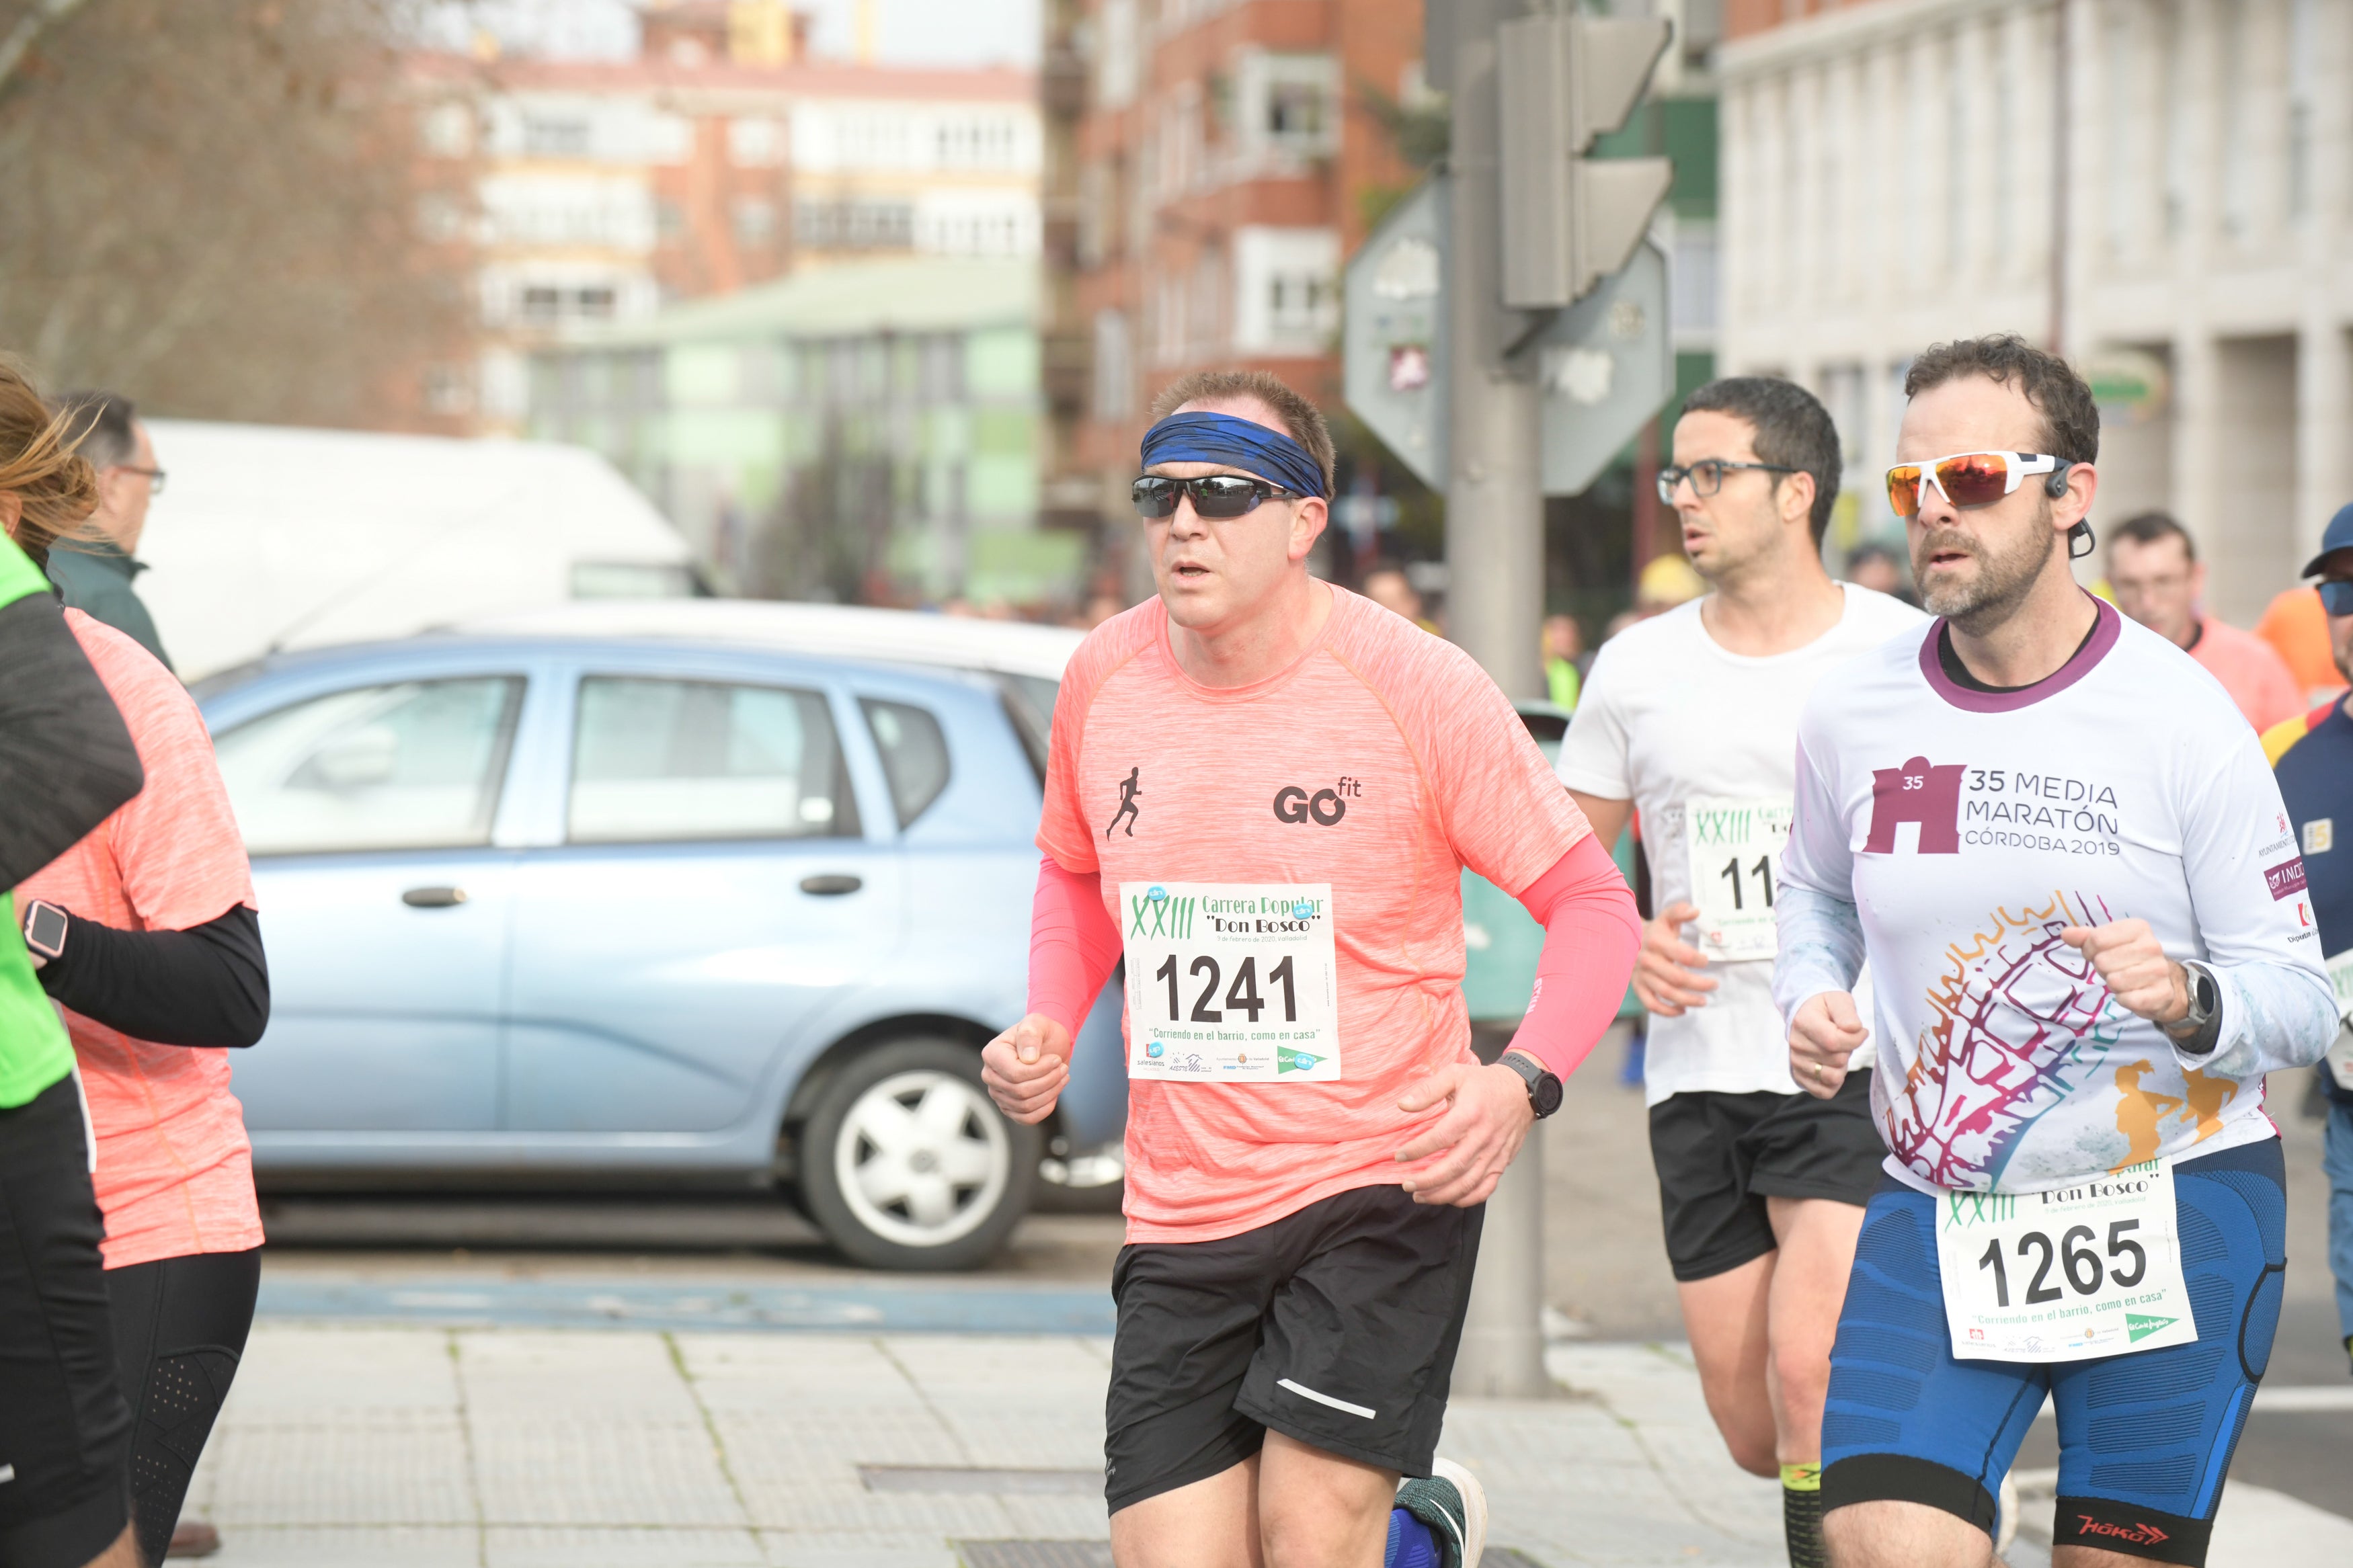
[505,1447]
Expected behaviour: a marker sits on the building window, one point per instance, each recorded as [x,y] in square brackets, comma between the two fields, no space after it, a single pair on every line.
[448,130]
[541,303]
[854,225]
[670,220]
[554,136]
[1287,104]
[449,389]
[1285,293]
[755,143]
[1115,368]
[597,301]
[756,220]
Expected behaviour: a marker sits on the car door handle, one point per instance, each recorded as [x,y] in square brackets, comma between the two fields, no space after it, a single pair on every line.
[831,885]
[433,898]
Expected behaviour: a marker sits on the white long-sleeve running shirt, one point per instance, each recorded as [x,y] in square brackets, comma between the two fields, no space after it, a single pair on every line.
[1967,829]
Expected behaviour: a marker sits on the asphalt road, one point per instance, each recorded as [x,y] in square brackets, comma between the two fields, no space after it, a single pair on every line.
[702,1261]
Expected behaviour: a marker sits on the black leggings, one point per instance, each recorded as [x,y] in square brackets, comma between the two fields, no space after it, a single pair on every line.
[179,1328]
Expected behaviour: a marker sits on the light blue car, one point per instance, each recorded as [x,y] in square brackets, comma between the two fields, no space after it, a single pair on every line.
[662,894]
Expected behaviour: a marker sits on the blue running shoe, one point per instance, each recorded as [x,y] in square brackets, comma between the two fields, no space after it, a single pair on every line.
[1454,1505]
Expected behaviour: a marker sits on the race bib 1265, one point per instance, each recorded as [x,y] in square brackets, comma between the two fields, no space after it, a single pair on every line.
[2092,1270]
[1230,983]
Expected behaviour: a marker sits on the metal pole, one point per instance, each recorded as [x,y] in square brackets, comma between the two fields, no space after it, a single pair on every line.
[1495,609]
[2062,161]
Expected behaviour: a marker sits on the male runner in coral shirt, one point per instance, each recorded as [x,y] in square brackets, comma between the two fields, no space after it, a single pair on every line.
[1264,788]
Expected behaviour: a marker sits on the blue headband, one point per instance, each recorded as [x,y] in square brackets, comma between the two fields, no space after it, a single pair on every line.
[1238,443]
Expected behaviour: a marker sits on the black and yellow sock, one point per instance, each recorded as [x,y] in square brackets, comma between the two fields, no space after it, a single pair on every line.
[1801,1515]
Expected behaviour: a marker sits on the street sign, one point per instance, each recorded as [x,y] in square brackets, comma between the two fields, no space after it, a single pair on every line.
[1394,346]
[1606,365]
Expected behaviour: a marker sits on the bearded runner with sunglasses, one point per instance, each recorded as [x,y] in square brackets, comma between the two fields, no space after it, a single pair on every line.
[1691,717]
[2055,841]
[1262,791]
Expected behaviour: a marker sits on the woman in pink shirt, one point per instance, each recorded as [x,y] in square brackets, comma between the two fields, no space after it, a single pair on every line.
[160,972]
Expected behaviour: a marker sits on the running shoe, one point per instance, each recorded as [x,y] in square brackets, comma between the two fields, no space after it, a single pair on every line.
[1450,1500]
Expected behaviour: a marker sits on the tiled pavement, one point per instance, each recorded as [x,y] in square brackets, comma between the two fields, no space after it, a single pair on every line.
[515,1448]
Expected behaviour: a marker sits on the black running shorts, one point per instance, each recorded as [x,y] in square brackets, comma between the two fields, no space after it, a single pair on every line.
[64,1429]
[1336,1326]
[1720,1156]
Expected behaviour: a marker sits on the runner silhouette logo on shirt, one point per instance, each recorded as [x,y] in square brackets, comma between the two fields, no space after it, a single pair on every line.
[1129,788]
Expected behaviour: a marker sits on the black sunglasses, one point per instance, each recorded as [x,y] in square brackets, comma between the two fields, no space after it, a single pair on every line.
[2337,595]
[1214,495]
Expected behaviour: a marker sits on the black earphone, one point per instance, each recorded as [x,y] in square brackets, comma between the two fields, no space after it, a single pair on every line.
[2081,541]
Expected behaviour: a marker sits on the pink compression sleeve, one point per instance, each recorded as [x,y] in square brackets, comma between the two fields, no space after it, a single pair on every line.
[1591,935]
[1073,944]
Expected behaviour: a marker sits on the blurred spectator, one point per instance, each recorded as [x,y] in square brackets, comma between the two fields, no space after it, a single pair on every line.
[67,762]
[2297,629]
[1618,623]
[2158,581]
[1388,586]
[1101,607]
[1877,568]
[1666,581]
[94,571]
[1564,661]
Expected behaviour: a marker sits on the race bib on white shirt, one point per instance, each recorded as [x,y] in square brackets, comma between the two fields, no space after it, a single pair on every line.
[1735,847]
[1230,983]
[2092,1270]
[2340,1055]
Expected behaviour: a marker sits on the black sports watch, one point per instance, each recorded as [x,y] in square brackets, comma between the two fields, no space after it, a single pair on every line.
[1544,1089]
[2205,999]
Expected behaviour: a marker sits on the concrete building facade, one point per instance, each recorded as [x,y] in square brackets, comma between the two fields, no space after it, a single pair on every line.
[2172,213]
[590,192]
[866,433]
[1211,162]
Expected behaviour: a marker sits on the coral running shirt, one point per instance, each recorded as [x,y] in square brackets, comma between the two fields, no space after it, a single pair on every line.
[1380,763]
[174,1168]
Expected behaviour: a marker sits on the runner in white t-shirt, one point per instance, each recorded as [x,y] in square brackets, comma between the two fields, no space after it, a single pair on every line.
[1691,718]
[2055,840]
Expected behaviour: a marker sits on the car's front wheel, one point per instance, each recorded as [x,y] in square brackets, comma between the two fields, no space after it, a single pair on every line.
[905,1163]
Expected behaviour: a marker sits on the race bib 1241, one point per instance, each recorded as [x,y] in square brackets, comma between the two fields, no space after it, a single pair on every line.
[2092,1270]
[1230,983]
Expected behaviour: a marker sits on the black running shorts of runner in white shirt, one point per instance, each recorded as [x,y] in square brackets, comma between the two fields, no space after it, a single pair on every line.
[1335,1325]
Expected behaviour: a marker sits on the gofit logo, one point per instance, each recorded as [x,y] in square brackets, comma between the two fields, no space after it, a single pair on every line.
[1325,807]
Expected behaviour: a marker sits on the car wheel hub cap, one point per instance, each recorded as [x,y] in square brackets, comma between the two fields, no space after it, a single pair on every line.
[922,1159]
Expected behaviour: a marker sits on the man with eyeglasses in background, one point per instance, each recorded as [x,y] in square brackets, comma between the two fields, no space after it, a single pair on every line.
[1263,789]
[94,570]
[2312,757]
[1691,717]
[2158,581]
[2057,844]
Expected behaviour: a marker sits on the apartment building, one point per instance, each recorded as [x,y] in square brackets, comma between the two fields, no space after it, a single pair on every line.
[2162,189]
[1211,162]
[589,191]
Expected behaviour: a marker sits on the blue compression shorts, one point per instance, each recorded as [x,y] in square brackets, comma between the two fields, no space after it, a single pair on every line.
[2145,1437]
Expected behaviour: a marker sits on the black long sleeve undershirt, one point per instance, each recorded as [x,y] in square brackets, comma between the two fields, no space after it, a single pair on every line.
[207,985]
[66,760]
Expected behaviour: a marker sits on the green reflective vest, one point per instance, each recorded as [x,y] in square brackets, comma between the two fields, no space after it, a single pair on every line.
[33,1050]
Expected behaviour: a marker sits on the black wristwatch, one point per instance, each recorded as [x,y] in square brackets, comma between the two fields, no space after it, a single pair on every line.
[1544,1089]
[45,929]
[2205,997]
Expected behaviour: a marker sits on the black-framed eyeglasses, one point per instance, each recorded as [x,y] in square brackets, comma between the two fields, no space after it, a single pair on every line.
[1214,495]
[1707,477]
[155,477]
[2337,595]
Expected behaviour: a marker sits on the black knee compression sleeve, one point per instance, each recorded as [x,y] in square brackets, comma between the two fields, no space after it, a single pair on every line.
[180,1325]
